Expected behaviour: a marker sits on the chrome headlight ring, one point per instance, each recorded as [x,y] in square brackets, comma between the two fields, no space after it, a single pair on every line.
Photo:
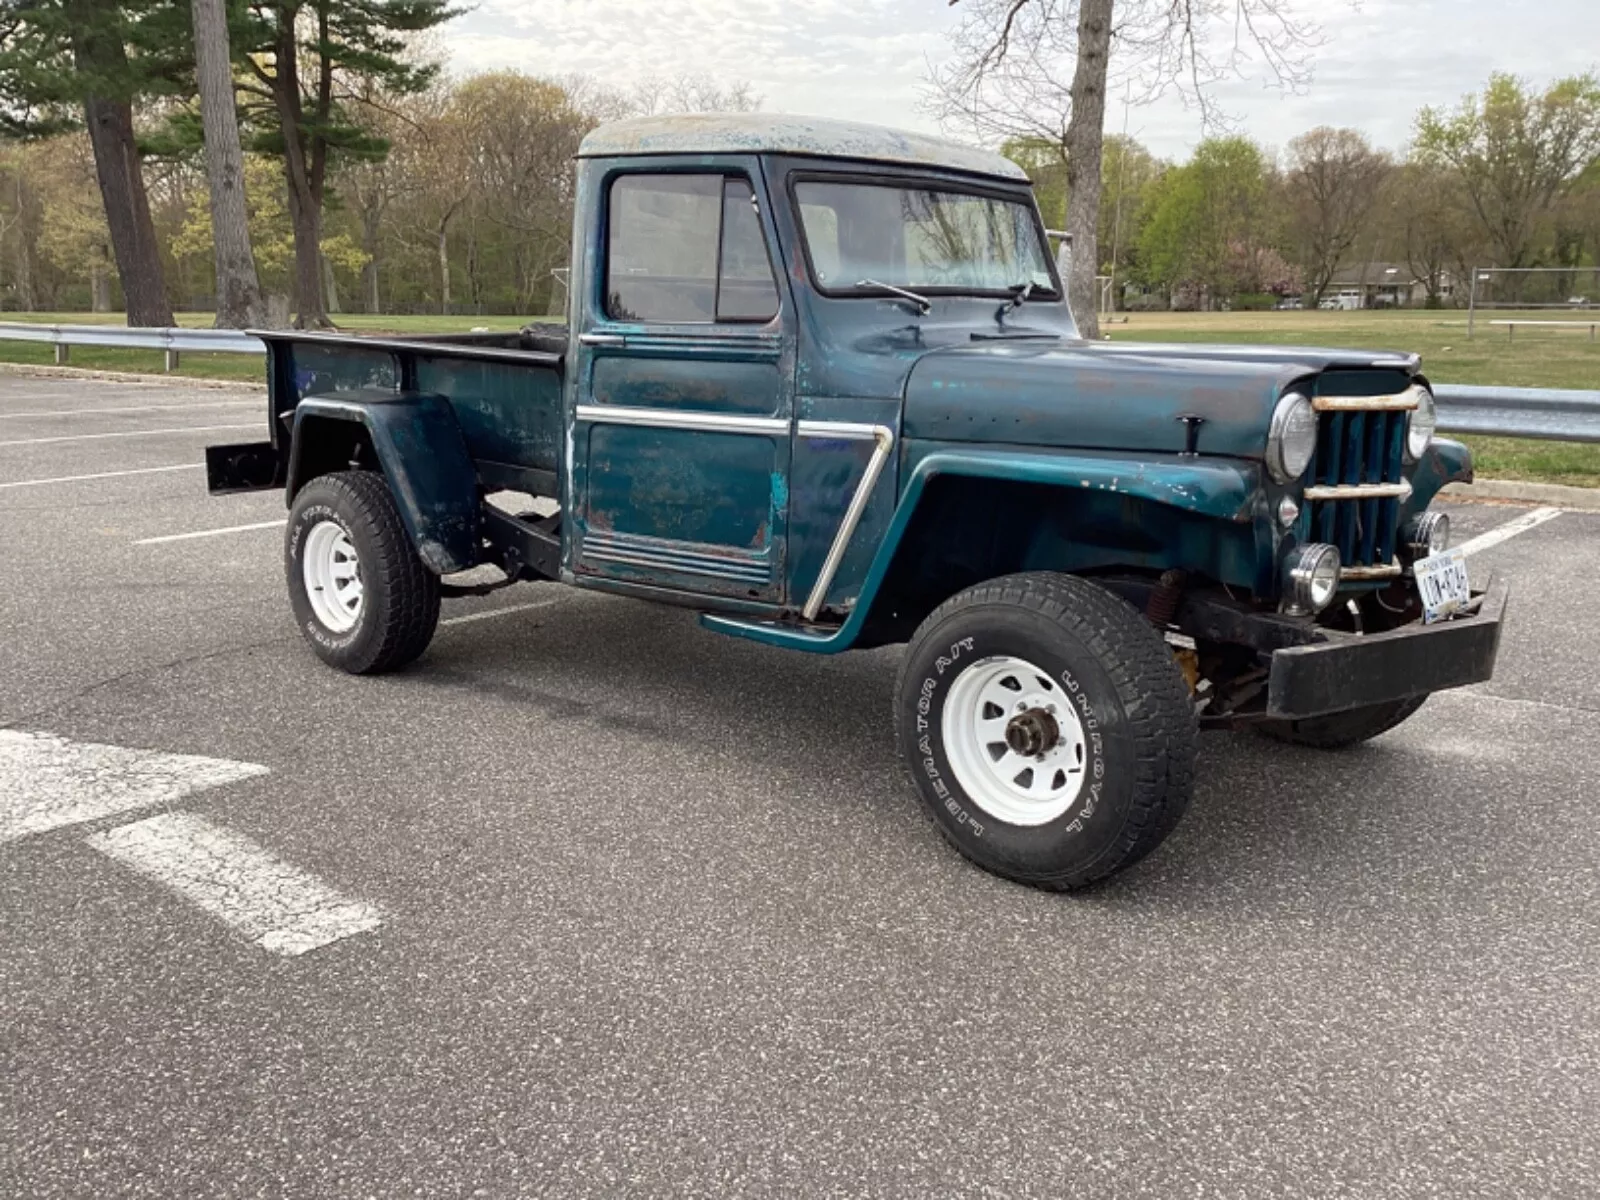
[1420,427]
[1291,438]
[1310,579]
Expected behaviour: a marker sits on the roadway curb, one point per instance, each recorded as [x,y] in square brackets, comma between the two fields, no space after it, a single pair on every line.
[46,371]
[1556,495]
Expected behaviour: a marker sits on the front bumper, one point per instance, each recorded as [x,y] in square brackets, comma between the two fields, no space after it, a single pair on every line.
[1353,672]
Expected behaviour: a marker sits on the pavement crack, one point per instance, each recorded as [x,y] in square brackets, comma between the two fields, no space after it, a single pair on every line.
[147,669]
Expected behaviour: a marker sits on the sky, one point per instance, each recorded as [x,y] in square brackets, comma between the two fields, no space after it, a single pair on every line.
[866,60]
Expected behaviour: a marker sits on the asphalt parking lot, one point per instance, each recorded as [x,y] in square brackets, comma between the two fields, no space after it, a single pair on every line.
[592,902]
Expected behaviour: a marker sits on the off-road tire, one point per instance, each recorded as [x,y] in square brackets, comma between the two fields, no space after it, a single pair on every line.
[400,607]
[1133,704]
[1340,731]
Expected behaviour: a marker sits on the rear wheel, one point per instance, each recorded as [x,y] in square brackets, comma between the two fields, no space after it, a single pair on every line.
[1340,731]
[360,594]
[1047,729]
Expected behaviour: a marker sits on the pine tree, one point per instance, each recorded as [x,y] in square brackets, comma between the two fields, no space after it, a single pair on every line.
[70,62]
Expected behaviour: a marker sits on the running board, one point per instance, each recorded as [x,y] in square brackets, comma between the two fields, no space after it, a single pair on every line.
[814,639]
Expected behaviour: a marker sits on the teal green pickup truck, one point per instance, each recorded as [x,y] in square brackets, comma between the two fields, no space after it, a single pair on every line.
[820,382]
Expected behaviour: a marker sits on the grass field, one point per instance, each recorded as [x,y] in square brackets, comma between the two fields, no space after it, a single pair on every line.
[1547,358]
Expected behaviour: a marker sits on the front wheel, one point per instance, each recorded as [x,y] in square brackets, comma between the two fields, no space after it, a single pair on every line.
[1047,728]
[360,594]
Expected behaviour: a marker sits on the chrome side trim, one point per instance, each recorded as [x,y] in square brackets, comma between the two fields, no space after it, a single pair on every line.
[677,418]
[884,437]
[1381,571]
[1399,402]
[1359,491]
[735,564]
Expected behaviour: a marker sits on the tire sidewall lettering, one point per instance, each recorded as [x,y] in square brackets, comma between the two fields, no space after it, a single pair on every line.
[1094,813]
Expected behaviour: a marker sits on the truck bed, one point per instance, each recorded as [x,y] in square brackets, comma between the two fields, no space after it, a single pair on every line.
[504,389]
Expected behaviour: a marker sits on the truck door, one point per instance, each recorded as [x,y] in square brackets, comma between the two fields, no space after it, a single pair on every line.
[684,370]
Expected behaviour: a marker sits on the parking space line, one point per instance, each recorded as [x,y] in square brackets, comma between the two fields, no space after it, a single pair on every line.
[1501,533]
[136,408]
[498,612]
[17,483]
[48,782]
[127,433]
[272,904]
[205,533]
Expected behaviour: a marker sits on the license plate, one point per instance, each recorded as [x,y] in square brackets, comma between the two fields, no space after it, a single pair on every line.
[1442,583]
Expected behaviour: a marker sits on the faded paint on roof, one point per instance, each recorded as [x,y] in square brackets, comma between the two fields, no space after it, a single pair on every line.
[762,133]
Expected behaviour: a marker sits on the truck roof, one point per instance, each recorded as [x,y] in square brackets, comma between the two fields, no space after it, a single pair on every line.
[763,133]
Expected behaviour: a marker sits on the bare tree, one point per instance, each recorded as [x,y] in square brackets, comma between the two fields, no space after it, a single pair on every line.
[238,290]
[1007,79]
[1334,179]
[689,93]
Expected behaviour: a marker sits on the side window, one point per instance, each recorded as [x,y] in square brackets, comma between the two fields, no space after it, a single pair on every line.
[745,291]
[686,249]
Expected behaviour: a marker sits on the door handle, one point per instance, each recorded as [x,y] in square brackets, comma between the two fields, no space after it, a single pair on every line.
[602,339]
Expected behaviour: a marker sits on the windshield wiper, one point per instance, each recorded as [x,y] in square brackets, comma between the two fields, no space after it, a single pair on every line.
[924,305]
[1019,295]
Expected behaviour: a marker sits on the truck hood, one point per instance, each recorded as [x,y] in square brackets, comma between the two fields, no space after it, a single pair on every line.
[1117,396]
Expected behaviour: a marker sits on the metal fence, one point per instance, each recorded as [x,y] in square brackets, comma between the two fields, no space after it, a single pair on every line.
[1568,416]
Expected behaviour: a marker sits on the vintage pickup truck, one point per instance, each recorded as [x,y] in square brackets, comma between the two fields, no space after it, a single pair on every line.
[820,382]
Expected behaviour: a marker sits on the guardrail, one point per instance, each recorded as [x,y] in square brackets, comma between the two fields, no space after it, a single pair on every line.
[1553,414]
[1567,416]
[170,341]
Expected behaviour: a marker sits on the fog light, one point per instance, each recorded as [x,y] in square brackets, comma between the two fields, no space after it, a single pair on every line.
[1428,534]
[1310,579]
[1288,511]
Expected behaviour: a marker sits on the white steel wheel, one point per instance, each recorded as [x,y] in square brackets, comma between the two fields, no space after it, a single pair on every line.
[333,577]
[1014,740]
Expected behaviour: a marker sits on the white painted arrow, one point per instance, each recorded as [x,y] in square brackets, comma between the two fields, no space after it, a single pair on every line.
[48,782]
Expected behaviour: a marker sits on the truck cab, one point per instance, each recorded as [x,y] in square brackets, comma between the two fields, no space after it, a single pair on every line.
[820,381]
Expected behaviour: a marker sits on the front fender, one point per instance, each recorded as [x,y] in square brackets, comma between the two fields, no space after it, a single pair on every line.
[1219,490]
[423,455]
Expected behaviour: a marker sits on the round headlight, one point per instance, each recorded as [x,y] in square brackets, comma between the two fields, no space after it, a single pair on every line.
[1311,579]
[1424,419]
[1291,438]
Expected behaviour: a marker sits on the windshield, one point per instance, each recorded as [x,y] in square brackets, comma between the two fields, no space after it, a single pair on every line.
[921,238]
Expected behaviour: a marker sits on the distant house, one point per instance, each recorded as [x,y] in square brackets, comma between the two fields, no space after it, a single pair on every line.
[1382,285]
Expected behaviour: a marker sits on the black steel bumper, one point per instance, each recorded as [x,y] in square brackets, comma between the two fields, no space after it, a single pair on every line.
[1353,672]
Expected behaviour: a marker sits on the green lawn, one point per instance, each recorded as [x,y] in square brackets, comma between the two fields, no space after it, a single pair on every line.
[1551,358]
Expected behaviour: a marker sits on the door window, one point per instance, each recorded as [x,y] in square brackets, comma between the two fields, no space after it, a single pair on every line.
[685,249]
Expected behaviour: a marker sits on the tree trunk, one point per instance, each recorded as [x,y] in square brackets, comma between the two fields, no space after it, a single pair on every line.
[25,297]
[444,267]
[1085,141]
[239,303]
[119,169]
[99,282]
[304,181]
[370,218]
[330,286]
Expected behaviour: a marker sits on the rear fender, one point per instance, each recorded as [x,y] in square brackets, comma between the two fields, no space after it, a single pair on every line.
[422,453]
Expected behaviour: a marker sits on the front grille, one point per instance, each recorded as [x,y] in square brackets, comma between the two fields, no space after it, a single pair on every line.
[1360,445]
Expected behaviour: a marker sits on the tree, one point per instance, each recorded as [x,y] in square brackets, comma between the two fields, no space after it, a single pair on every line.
[63,62]
[1209,229]
[238,291]
[1333,183]
[1516,153]
[1007,79]
[307,59]
[1427,219]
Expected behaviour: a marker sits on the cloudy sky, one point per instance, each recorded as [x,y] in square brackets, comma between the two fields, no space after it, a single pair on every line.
[866,59]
